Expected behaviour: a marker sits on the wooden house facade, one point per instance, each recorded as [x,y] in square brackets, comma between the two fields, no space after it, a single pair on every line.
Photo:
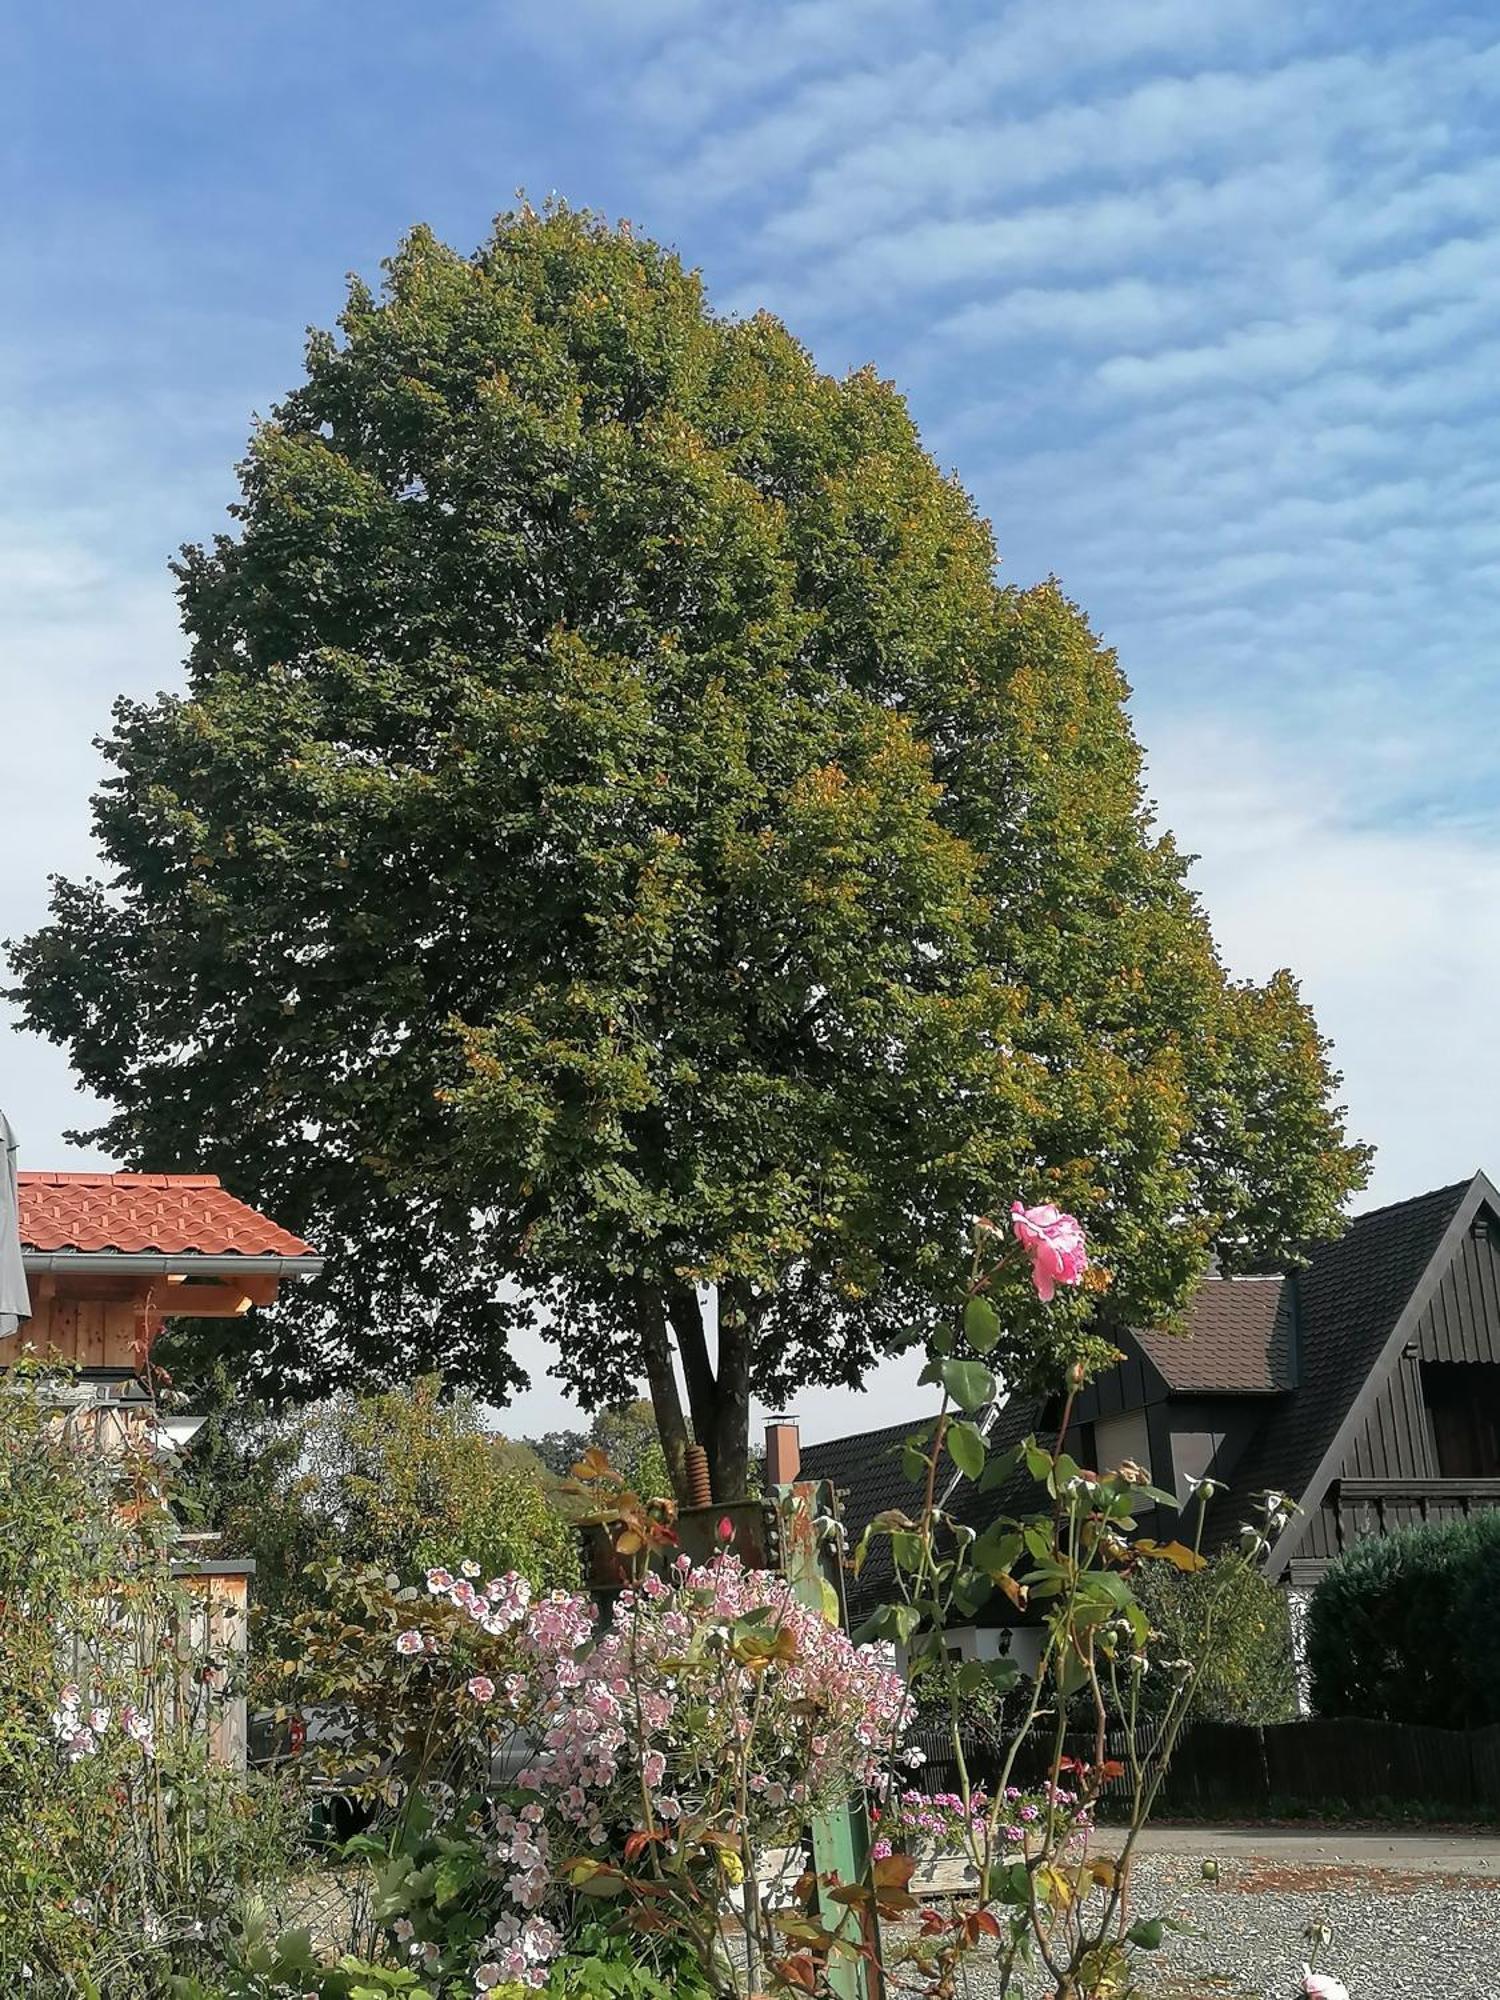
[1364,1386]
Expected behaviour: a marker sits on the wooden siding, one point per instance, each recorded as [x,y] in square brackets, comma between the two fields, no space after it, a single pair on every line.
[1129,1385]
[219,1625]
[1393,1442]
[1463,1321]
[90,1333]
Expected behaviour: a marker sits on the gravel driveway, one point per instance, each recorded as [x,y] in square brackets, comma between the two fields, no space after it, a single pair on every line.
[1413,1918]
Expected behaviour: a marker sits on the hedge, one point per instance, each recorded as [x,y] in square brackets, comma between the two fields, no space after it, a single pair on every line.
[1407,1628]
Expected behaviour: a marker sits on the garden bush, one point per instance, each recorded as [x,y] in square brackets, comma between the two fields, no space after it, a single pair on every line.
[1236,1625]
[125,1849]
[1406,1628]
[386,1480]
[706,1717]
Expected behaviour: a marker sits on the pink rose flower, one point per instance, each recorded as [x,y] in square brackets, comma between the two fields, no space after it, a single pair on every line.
[482,1688]
[408,1643]
[1322,1986]
[1054,1243]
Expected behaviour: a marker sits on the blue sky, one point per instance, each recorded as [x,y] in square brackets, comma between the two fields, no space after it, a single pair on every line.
[1201,298]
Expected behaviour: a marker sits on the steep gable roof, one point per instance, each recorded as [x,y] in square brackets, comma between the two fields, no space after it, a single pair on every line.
[1238,1340]
[1353,1298]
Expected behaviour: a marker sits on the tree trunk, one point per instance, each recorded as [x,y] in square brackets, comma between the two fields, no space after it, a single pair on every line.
[686,1316]
[729,1453]
[661,1377]
[718,1398]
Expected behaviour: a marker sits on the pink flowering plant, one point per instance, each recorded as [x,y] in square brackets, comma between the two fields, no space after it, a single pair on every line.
[533,1761]
[537,1767]
[937,1824]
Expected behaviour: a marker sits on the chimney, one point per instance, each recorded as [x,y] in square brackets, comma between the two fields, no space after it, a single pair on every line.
[783,1451]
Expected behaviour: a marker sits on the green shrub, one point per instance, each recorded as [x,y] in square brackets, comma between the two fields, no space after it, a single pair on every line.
[1407,1628]
[405,1476]
[1236,1625]
[125,1849]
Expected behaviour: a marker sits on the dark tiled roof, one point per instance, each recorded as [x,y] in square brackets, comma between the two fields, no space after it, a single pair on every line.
[1349,1298]
[1237,1341]
[866,1470]
[1340,1312]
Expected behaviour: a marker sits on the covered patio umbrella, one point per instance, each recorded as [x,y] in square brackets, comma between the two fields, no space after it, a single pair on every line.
[15,1300]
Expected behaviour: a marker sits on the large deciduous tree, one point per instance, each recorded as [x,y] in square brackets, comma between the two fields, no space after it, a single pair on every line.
[620,849]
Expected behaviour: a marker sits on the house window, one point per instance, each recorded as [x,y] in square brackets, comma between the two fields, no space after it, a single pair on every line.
[1119,1438]
[1192,1454]
[1463,1408]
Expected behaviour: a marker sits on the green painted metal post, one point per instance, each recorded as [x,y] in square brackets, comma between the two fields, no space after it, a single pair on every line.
[840,1839]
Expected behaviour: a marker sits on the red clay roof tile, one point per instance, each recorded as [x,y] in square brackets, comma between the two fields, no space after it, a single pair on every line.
[146,1212]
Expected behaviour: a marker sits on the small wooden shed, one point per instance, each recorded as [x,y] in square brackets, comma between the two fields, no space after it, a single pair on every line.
[109,1259]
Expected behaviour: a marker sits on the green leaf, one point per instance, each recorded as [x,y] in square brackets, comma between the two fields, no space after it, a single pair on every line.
[966,1448]
[1147,1932]
[1001,1674]
[1062,1471]
[1002,1467]
[971,1592]
[981,1325]
[891,1621]
[996,1550]
[1038,1461]
[969,1383]
[1072,1668]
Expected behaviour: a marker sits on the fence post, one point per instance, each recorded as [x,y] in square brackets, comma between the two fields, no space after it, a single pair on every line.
[840,1839]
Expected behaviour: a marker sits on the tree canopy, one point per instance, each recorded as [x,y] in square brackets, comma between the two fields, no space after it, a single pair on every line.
[619,848]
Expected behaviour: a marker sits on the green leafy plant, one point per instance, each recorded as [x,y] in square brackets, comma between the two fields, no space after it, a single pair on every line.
[385,1480]
[1248,1673]
[126,1847]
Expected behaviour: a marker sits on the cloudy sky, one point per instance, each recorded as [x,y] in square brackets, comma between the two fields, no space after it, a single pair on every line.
[1200,297]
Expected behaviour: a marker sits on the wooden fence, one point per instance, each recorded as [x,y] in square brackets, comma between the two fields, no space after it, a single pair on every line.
[1229,1767]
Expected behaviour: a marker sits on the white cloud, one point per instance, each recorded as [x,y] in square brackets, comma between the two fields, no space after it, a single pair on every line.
[1259,353]
[1128,309]
[909,64]
[1387,929]
[1393,106]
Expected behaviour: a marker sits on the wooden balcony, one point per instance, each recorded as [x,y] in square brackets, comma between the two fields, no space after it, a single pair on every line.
[1363,1508]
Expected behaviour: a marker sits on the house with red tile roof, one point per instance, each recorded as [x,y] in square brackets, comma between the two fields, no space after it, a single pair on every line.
[109,1258]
